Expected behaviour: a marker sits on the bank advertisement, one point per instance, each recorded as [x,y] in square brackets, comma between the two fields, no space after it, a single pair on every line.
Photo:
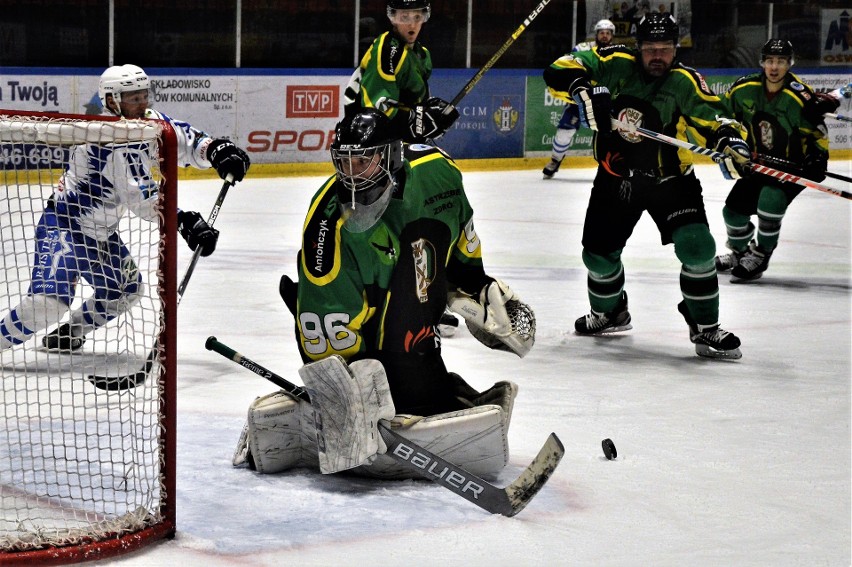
[543,112]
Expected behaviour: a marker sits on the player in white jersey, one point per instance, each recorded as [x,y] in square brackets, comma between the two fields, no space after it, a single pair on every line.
[570,121]
[77,236]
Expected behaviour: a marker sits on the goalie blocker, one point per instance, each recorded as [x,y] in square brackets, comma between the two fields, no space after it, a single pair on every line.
[340,431]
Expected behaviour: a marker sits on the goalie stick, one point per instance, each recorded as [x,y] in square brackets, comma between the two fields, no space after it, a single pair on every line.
[484,69]
[507,501]
[719,156]
[117,383]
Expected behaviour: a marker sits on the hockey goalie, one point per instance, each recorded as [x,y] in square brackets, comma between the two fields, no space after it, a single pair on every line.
[388,244]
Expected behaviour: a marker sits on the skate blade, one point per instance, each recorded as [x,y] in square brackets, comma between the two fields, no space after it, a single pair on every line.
[708,352]
[607,331]
[735,279]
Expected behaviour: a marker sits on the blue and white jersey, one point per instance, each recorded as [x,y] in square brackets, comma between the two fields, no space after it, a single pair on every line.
[101,182]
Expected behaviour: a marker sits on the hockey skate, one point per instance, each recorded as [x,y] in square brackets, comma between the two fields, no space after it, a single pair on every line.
[596,323]
[752,265]
[711,341]
[551,168]
[62,339]
[729,261]
[448,324]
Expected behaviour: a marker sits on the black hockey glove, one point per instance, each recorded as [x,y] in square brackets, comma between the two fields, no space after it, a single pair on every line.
[815,164]
[431,119]
[595,108]
[228,158]
[737,153]
[819,105]
[197,232]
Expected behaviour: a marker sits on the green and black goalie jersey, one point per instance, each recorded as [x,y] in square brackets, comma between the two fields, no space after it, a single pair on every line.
[678,104]
[776,123]
[386,288]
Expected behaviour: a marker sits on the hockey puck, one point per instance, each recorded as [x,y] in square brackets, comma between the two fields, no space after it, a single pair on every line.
[609,449]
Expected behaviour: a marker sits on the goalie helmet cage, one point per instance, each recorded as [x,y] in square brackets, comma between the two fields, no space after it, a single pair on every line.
[85,473]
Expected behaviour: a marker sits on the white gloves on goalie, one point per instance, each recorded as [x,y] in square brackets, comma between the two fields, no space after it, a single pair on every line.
[498,318]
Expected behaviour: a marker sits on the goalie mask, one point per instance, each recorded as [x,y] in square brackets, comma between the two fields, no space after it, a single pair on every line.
[366,156]
[121,79]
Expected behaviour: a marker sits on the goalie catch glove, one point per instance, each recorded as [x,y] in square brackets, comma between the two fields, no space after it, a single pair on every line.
[737,153]
[227,158]
[197,232]
[498,318]
[431,119]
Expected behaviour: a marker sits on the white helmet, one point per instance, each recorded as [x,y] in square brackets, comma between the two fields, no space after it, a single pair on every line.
[121,79]
[605,25]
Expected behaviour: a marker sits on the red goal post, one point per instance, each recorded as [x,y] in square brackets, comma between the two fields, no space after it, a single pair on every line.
[85,473]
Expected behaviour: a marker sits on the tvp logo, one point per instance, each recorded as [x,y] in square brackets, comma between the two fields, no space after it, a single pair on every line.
[313,101]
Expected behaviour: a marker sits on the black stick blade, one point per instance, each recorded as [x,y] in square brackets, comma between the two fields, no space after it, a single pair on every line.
[126,382]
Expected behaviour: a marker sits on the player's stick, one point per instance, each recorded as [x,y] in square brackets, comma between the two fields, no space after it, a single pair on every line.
[114,383]
[484,69]
[507,501]
[719,156]
[838,116]
[791,167]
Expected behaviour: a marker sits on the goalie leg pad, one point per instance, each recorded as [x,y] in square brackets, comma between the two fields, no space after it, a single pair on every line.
[279,435]
[475,438]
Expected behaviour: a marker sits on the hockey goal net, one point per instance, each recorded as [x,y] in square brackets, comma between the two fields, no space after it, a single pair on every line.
[86,473]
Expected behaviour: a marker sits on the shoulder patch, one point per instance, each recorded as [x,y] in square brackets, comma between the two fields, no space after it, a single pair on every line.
[796,86]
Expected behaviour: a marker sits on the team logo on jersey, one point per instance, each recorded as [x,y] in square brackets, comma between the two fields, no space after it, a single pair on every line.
[796,86]
[767,135]
[424,267]
[506,116]
[634,118]
[386,244]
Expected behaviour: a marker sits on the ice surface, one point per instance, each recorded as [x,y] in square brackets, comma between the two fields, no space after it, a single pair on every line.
[719,462]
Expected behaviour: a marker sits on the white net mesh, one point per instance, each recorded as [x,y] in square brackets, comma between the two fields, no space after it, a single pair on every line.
[78,464]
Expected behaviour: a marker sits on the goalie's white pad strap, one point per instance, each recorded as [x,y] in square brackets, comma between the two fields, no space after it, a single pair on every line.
[279,434]
[499,320]
[348,402]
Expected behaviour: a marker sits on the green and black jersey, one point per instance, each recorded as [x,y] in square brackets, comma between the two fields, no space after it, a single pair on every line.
[386,288]
[775,122]
[392,75]
[678,104]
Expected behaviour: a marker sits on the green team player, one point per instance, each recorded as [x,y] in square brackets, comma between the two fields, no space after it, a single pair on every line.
[651,89]
[394,77]
[388,242]
[783,121]
[385,241]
